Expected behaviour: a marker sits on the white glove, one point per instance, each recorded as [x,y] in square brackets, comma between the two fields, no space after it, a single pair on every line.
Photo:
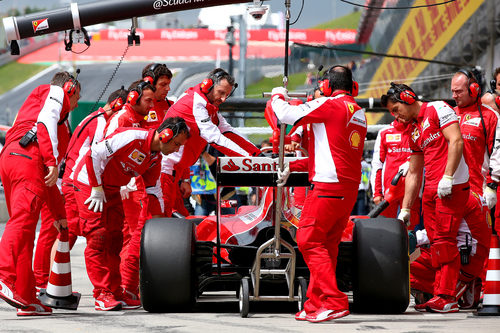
[96,199]
[279,92]
[490,195]
[130,187]
[124,192]
[444,186]
[404,167]
[283,175]
[404,215]
[422,238]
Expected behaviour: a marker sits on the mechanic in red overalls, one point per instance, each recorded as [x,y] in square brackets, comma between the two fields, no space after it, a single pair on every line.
[391,153]
[28,169]
[89,132]
[336,141]
[492,99]
[160,77]
[199,106]
[110,164]
[478,125]
[134,194]
[437,143]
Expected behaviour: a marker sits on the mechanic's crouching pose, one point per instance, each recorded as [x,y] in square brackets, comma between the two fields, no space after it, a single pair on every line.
[199,106]
[335,148]
[437,143]
[126,153]
[473,243]
[28,168]
[89,132]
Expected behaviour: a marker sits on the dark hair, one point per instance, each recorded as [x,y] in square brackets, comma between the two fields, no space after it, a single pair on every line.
[176,124]
[144,85]
[120,93]
[218,74]
[156,70]
[495,74]
[393,94]
[340,77]
[60,78]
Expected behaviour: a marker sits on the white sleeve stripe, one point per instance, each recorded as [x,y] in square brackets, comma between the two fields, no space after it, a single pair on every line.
[211,132]
[50,115]
[122,139]
[99,131]
[292,114]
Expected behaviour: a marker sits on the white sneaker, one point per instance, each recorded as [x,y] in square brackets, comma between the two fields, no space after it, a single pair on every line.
[301,315]
[9,295]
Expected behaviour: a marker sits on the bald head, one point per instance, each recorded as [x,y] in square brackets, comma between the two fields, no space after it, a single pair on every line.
[460,90]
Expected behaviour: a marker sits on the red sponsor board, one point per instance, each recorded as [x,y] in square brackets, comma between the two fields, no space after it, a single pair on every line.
[336,36]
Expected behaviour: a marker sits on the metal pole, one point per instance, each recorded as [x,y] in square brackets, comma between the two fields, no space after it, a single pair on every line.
[242,68]
[492,28]
[281,156]
[230,67]
[101,11]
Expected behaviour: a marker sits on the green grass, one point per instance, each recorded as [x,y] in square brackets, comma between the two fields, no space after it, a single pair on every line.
[266,84]
[14,73]
[349,21]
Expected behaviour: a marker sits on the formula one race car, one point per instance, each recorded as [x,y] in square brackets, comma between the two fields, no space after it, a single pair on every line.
[181,258]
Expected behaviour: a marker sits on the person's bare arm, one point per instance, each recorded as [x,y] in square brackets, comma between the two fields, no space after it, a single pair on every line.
[453,135]
[413,180]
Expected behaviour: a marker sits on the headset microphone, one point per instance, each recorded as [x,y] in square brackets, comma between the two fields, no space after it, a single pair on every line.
[232,90]
[320,68]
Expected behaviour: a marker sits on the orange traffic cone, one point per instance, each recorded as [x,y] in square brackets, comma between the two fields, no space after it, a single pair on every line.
[491,300]
[59,293]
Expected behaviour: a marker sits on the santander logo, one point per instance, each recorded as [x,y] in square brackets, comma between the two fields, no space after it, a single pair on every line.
[230,166]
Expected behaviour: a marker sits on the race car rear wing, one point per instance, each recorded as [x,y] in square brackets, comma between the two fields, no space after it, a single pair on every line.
[255,171]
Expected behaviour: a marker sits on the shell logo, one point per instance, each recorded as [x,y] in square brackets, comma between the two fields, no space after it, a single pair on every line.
[137,156]
[355,139]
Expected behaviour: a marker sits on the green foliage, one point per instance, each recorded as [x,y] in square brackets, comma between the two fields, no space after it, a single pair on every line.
[349,21]
[30,10]
[17,73]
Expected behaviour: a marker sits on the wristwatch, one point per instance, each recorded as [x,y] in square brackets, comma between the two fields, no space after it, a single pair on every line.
[493,186]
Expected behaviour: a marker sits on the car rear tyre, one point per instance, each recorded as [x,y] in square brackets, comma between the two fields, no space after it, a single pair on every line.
[166,265]
[381,275]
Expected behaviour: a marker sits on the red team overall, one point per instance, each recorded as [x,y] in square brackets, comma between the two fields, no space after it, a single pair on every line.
[436,142]
[478,125]
[338,131]
[98,176]
[89,132]
[199,106]
[390,155]
[28,168]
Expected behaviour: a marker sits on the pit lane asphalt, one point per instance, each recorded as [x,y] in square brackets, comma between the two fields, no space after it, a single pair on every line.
[215,315]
